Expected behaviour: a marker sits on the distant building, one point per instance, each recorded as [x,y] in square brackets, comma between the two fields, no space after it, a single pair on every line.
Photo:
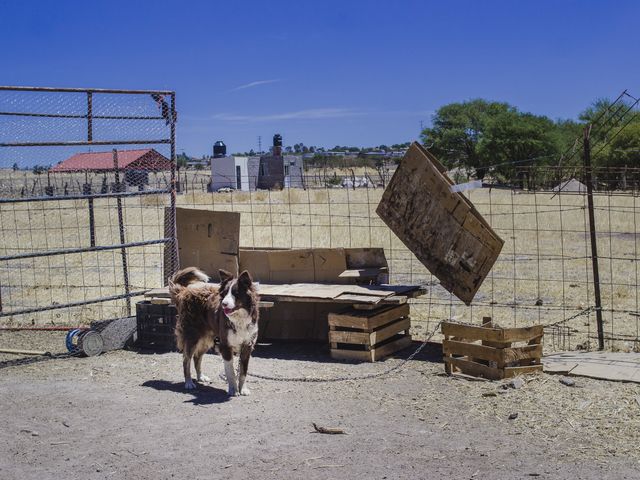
[278,171]
[265,172]
[145,159]
[235,172]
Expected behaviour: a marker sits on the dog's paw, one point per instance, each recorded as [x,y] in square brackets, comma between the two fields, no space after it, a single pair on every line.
[189,385]
[233,392]
[245,392]
[203,378]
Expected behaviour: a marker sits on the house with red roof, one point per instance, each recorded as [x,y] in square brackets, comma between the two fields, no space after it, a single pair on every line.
[144,159]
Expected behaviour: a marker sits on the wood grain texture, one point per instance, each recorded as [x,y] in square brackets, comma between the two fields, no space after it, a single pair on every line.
[442,228]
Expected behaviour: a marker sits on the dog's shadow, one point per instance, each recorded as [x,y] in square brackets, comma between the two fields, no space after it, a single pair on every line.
[202,395]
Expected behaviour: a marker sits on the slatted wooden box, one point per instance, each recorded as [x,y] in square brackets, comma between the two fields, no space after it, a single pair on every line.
[493,353]
[369,335]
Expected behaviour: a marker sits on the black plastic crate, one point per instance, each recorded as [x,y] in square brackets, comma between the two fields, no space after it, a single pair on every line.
[156,326]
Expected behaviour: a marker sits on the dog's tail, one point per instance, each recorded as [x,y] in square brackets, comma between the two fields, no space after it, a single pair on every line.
[184,278]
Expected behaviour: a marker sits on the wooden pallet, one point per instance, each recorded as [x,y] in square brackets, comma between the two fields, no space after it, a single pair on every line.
[369,335]
[485,351]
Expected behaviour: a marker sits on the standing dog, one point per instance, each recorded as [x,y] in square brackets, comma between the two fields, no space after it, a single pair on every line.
[224,317]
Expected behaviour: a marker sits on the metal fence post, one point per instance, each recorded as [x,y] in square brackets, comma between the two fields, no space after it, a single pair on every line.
[125,268]
[592,231]
[174,261]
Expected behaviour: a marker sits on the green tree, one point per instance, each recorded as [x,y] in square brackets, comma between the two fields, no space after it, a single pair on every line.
[480,134]
[512,140]
[458,129]
[624,148]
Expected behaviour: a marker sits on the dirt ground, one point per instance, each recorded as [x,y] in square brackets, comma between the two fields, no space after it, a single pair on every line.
[125,414]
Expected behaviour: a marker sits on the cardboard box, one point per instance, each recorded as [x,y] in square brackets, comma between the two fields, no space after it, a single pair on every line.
[208,240]
[306,265]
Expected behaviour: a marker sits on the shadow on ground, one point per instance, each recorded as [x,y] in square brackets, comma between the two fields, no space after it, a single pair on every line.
[319,352]
[34,359]
[203,395]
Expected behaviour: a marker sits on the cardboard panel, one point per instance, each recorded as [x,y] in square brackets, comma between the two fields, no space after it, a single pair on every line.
[291,266]
[328,264]
[442,228]
[208,240]
[315,265]
[257,263]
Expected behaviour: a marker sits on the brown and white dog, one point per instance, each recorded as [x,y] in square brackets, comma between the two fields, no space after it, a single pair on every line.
[223,316]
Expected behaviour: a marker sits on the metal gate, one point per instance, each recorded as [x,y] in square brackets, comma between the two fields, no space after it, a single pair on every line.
[87,202]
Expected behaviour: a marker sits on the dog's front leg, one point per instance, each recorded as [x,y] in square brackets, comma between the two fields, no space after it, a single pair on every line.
[229,371]
[245,355]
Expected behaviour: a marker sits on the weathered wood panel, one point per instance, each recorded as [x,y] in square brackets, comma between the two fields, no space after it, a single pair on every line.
[442,228]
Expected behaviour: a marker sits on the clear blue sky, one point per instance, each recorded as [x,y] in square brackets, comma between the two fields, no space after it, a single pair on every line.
[326,72]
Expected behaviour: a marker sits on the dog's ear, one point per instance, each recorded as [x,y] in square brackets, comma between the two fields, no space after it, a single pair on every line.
[245,279]
[224,275]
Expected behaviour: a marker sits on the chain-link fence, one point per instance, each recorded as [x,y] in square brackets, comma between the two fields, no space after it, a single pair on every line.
[85,176]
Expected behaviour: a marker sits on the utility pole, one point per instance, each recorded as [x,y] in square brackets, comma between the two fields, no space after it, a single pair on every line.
[259,144]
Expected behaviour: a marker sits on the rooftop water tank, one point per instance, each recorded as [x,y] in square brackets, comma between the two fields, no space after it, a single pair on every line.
[219,149]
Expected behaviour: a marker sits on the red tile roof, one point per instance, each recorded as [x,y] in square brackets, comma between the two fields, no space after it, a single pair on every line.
[146,158]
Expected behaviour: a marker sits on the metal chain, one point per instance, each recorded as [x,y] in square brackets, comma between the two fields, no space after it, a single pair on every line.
[357,377]
[586,311]
[391,369]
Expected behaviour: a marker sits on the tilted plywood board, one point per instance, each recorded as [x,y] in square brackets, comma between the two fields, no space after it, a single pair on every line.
[442,228]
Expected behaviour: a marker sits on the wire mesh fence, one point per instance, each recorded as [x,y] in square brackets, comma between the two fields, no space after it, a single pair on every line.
[544,272]
[77,244]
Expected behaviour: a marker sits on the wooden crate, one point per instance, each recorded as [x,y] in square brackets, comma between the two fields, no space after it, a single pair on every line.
[369,335]
[494,353]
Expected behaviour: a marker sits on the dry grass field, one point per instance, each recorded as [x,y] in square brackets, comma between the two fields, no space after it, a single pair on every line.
[543,275]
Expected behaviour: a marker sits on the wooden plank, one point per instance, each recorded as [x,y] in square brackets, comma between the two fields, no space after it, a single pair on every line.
[475,369]
[500,355]
[504,335]
[390,330]
[510,372]
[522,334]
[472,350]
[375,353]
[349,336]
[359,355]
[368,320]
[518,354]
[391,347]
[369,338]
[471,332]
[323,290]
[365,299]
[394,300]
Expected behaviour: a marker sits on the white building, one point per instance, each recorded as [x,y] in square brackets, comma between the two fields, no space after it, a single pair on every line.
[237,173]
